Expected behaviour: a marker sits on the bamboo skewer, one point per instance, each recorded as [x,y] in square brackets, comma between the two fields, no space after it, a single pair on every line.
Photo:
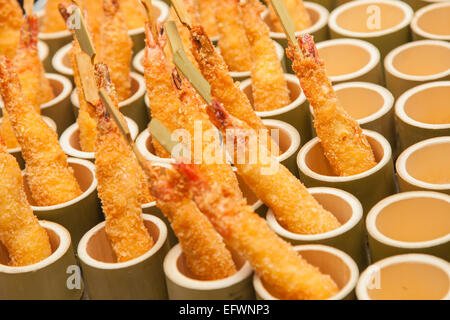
[286,22]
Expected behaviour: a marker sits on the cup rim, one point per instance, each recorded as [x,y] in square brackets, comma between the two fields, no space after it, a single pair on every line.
[68,149]
[87,259]
[137,61]
[43,50]
[407,10]
[419,13]
[404,156]
[379,236]
[400,105]
[373,51]
[303,167]
[163,8]
[66,89]
[361,289]
[58,58]
[294,104]
[350,285]
[389,66]
[320,23]
[172,272]
[292,132]
[91,167]
[64,245]
[357,214]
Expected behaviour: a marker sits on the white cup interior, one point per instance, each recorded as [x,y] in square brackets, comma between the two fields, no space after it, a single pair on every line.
[431,22]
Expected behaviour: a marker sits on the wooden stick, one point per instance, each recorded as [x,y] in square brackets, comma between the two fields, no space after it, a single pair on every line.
[86,72]
[181,12]
[82,34]
[173,36]
[286,22]
[162,135]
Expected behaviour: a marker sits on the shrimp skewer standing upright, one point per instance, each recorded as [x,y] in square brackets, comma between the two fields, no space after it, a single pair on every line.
[20,232]
[11,19]
[48,174]
[297,12]
[343,141]
[269,87]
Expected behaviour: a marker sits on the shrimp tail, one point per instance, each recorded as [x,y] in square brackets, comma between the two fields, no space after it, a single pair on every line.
[29,32]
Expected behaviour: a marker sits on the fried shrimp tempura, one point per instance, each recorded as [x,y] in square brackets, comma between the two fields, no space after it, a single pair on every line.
[52,19]
[7,133]
[297,12]
[133,13]
[295,209]
[11,19]
[205,253]
[116,48]
[343,141]
[118,188]
[269,86]
[275,261]
[207,14]
[20,232]
[104,81]
[233,42]
[48,174]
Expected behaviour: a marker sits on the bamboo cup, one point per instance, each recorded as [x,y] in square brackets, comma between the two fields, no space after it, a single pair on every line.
[383,23]
[43,52]
[16,152]
[406,277]
[133,107]
[161,12]
[70,140]
[351,60]
[410,222]
[417,4]
[327,4]
[369,187]
[54,40]
[415,63]
[181,285]
[46,279]
[425,166]
[423,112]
[431,22]
[138,61]
[349,237]
[77,215]
[62,63]
[333,262]
[296,113]
[59,109]
[138,279]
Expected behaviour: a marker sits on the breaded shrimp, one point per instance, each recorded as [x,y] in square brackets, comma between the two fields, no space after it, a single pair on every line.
[133,13]
[205,254]
[223,88]
[20,232]
[52,19]
[269,86]
[7,133]
[116,48]
[284,270]
[118,188]
[103,80]
[344,144]
[233,42]
[11,19]
[295,209]
[207,14]
[297,12]
[48,174]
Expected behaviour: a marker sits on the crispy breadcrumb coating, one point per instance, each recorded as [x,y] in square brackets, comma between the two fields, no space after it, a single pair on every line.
[269,87]
[53,22]
[7,133]
[93,12]
[233,42]
[343,141]
[24,238]
[133,13]
[295,209]
[297,11]
[48,174]
[11,19]
[207,14]
[275,261]
[116,48]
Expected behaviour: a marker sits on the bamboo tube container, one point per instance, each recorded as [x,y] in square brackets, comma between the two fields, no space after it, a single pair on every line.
[336,263]
[425,166]
[43,52]
[47,279]
[369,187]
[349,237]
[417,4]
[182,286]
[410,222]
[62,63]
[141,278]
[431,22]
[406,277]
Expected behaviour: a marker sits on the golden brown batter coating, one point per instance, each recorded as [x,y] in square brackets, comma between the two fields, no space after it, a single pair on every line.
[11,20]
[53,22]
[269,86]
[344,144]
[133,13]
[297,11]
[233,42]
[24,238]
[207,13]
[49,177]
[275,261]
